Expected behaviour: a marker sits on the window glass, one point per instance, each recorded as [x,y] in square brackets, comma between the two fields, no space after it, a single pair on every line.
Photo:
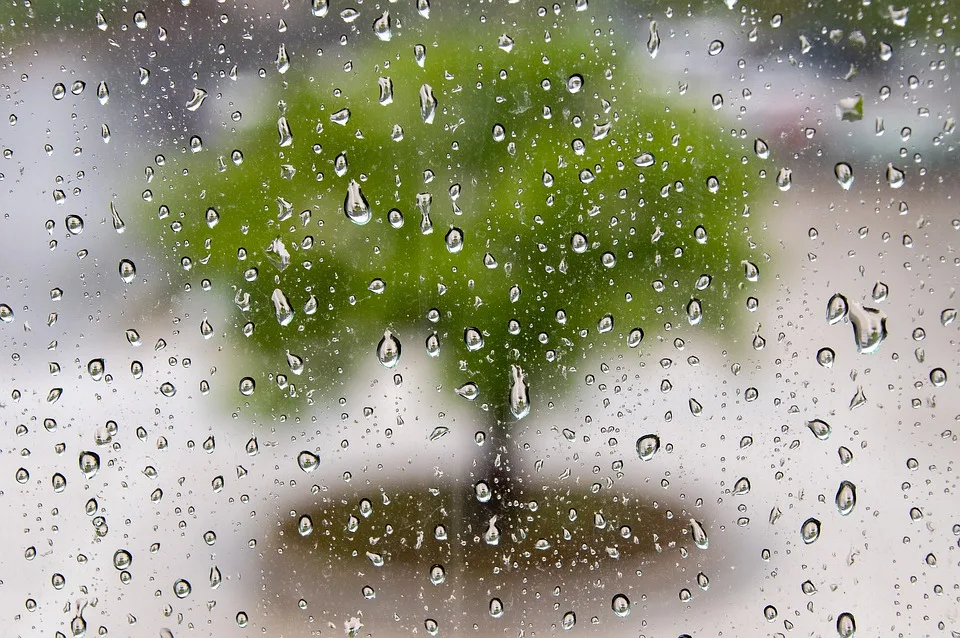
[479,318]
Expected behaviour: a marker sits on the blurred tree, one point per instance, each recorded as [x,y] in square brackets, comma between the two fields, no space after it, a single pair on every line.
[522,187]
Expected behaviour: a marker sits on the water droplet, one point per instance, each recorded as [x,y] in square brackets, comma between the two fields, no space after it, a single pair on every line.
[869,328]
[846,625]
[496,608]
[305,525]
[469,391]
[895,176]
[247,386]
[694,312]
[575,83]
[182,588]
[118,224]
[473,339]
[103,93]
[850,109]
[880,291]
[821,429]
[74,224]
[388,350]
[454,240]
[742,486]
[283,59]
[569,621]
[825,357]
[810,531]
[341,117]
[308,461]
[196,100]
[647,446]
[282,308]
[784,179]
[653,40]
[634,338]
[761,149]
[382,27]
[837,309]
[844,174]
[505,43]
[283,130]
[699,534]
[122,559]
[715,48]
[770,613]
[938,377]
[95,369]
[89,464]
[128,271]
[519,393]
[846,497]
[355,204]
[620,605]
[428,104]
[438,574]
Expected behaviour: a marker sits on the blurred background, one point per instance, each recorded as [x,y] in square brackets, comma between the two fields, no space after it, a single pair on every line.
[494,318]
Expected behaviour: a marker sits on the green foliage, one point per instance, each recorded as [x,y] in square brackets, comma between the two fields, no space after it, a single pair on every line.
[506,208]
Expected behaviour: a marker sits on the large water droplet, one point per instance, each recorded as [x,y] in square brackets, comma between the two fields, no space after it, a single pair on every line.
[869,328]
[653,40]
[647,446]
[895,176]
[89,464]
[519,393]
[308,461]
[128,271]
[820,428]
[846,497]
[355,204]
[846,625]
[810,531]
[699,534]
[844,174]
[428,104]
[388,350]
[837,309]
[620,605]
[282,308]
